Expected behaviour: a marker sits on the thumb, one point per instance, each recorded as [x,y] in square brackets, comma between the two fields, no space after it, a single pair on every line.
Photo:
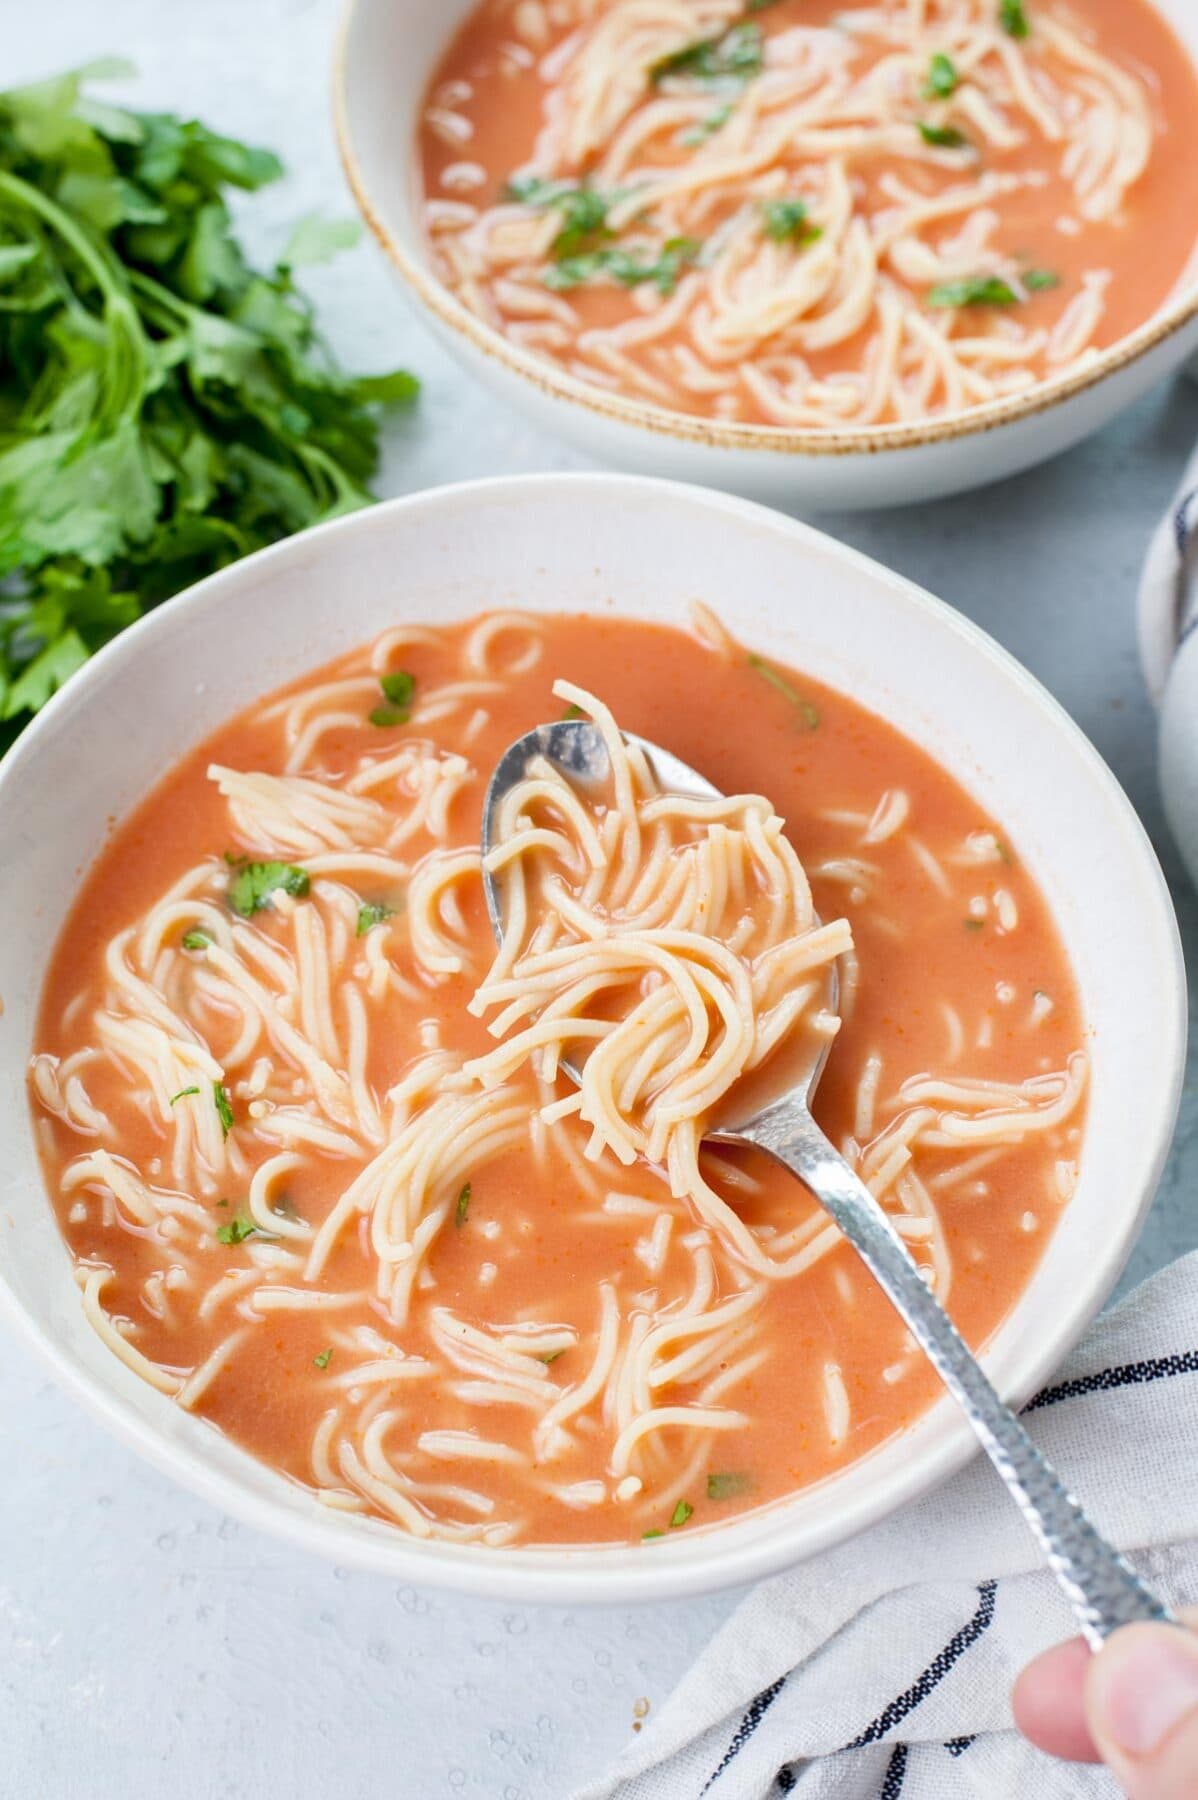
[1141,1700]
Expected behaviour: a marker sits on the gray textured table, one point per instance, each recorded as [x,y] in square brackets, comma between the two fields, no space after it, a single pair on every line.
[149,1646]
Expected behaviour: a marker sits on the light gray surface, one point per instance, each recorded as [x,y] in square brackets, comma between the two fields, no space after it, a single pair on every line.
[148,1646]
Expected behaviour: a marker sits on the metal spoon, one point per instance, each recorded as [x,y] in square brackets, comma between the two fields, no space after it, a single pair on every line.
[1103,1589]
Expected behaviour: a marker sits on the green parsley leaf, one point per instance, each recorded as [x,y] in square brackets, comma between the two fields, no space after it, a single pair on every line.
[461,1211]
[807,712]
[324,1359]
[942,137]
[707,127]
[195,940]
[316,240]
[941,78]
[625,266]
[236,1230]
[680,1514]
[251,888]
[224,1108]
[371,914]
[398,687]
[976,290]
[398,690]
[549,1356]
[165,406]
[786,222]
[1037,281]
[655,1533]
[583,210]
[973,924]
[183,1094]
[573,712]
[735,55]
[729,1486]
[1013,18]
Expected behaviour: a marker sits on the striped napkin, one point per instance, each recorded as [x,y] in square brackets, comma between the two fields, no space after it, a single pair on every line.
[883,1670]
[1168,621]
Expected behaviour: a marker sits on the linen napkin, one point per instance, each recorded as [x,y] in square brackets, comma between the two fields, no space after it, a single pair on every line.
[1168,624]
[883,1670]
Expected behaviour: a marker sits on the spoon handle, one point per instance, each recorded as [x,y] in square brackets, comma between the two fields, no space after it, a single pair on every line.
[1103,1589]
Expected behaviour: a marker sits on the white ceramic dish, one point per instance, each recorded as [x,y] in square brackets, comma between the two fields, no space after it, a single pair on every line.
[387,53]
[598,543]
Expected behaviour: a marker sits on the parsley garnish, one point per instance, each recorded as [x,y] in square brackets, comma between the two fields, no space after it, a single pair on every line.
[183,1094]
[398,689]
[973,924]
[323,1360]
[808,712]
[461,1211]
[786,222]
[224,1109]
[735,55]
[729,1486]
[942,78]
[942,137]
[371,914]
[166,406]
[655,1533]
[976,290]
[195,940]
[251,888]
[583,210]
[1014,19]
[1037,280]
[625,266]
[680,1514]
[707,127]
[573,711]
[235,1231]
[548,1356]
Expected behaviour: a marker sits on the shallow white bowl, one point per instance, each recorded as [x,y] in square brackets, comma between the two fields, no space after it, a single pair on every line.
[603,544]
[387,54]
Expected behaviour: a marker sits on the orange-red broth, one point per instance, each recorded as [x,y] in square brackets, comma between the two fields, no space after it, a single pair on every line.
[917,950]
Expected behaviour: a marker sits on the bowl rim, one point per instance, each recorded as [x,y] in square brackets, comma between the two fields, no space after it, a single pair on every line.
[718,1558]
[713,434]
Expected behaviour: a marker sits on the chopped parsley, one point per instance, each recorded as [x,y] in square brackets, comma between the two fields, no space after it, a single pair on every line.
[729,1486]
[183,1094]
[235,1231]
[786,222]
[323,1360]
[680,1514]
[1013,18]
[707,127]
[941,79]
[807,712]
[224,1108]
[254,883]
[583,210]
[370,914]
[398,687]
[976,290]
[1036,281]
[461,1211]
[973,924]
[942,137]
[573,712]
[624,266]
[655,1533]
[735,55]
[195,940]
[548,1356]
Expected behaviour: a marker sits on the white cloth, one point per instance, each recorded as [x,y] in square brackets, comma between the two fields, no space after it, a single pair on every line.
[883,1670]
[1168,621]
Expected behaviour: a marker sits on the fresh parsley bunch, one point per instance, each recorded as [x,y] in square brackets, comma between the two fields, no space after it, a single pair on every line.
[165,408]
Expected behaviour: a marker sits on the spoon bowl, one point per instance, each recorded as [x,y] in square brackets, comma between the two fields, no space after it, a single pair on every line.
[775,1116]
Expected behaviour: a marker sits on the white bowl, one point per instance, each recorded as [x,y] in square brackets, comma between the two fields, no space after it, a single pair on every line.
[387,53]
[598,543]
